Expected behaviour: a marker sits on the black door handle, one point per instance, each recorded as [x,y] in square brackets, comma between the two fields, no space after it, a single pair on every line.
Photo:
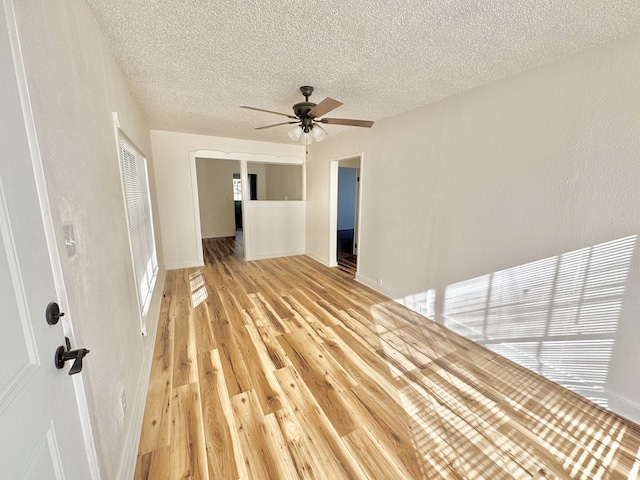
[65,354]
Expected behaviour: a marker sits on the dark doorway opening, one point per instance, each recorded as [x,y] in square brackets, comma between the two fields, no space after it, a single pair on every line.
[346,251]
[237,196]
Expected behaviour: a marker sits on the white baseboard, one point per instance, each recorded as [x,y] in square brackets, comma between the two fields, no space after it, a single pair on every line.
[624,407]
[263,256]
[129,453]
[319,259]
[367,282]
[189,264]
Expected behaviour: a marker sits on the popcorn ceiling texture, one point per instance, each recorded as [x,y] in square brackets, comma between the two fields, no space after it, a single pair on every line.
[191,63]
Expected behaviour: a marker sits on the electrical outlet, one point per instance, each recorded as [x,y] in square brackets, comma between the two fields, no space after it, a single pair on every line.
[380,281]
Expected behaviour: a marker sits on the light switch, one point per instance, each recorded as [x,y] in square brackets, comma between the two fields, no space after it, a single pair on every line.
[69,239]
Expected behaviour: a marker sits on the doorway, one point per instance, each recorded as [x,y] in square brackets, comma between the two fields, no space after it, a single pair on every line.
[237,197]
[345,213]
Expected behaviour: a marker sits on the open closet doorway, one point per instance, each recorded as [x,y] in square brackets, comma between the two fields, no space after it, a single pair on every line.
[216,197]
[345,218]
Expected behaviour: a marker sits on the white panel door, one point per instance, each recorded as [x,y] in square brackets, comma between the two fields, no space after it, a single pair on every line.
[40,430]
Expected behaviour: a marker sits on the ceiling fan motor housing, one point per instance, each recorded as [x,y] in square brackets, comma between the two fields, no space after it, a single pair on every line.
[302,109]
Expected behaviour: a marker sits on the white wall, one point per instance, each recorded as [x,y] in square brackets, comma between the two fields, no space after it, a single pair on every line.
[522,169]
[284,182]
[274,229]
[74,85]
[215,196]
[171,153]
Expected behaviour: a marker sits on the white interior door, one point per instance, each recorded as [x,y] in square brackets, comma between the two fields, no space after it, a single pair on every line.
[40,430]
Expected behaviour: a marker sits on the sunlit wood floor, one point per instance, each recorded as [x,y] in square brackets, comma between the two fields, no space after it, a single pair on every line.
[284,368]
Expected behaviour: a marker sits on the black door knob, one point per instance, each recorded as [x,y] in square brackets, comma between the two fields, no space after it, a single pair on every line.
[53,313]
[65,354]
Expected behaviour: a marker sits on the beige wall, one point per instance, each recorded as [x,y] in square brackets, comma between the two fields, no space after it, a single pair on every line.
[284,182]
[522,169]
[215,195]
[75,86]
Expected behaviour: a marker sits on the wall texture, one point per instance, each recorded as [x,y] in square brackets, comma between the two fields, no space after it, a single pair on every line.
[523,169]
[75,86]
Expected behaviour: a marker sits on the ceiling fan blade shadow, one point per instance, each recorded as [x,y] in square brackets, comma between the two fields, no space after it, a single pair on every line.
[274,125]
[268,111]
[324,107]
[347,121]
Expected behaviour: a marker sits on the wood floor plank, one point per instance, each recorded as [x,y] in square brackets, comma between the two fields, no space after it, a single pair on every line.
[267,337]
[203,332]
[324,387]
[184,352]
[154,465]
[367,449]
[285,368]
[262,458]
[218,425]
[331,452]
[156,424]
[188,454]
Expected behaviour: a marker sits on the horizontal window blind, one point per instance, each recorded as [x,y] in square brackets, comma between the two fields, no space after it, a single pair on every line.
[138,203]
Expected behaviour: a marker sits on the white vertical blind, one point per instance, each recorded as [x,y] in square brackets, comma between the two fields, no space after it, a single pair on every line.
[138,203]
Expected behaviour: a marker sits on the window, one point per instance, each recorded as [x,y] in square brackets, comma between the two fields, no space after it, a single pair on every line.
[237,187]
[138,204]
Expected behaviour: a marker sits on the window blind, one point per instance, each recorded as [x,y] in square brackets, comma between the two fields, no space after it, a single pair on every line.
[138,204]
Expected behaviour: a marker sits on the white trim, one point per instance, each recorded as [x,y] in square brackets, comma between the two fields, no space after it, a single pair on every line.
[243,158]
[143,308]
[246,189]
[50,233]
[187,264]
[318,258]
[623,407]
[134,430]
[333,207]
[263,256]
[196,212]
[367,282]
[117,133]
[249,157]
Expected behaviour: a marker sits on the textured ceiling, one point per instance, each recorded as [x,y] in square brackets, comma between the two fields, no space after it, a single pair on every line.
[191,63]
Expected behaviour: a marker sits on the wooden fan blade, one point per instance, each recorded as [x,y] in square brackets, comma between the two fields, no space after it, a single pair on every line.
[347,121]
[324,107]
[274,125]
[268,111]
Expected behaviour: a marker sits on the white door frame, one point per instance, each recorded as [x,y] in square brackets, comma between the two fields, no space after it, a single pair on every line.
[333,208]
[244,158]
[50,233]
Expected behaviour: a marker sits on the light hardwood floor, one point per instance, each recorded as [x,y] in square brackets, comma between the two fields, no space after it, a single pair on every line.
[286,369]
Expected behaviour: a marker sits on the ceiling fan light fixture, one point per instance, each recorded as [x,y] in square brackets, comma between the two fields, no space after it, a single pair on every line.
[318,133]
[295,133]
[306,139]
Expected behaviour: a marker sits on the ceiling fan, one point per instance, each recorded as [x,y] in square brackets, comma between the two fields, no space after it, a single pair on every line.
[307,117]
